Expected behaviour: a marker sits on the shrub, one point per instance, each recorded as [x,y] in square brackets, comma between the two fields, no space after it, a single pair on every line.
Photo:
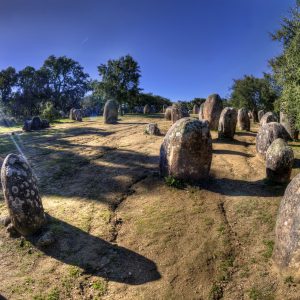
[49,112]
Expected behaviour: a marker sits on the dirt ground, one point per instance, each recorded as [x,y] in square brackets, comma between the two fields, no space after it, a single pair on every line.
[123,233]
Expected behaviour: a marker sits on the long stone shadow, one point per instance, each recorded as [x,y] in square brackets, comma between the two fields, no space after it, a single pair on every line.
[234,187]
[231,152]
[96,256]
[232,142]
[244,133]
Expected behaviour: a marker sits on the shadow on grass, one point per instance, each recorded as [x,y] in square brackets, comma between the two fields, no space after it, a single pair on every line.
[231,152]
[232,142]
[246,133]
[96,256]
[234,187]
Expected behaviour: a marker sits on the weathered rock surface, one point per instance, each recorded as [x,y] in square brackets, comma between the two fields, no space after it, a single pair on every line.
[110,113]
[227,123]
[267,118]
[147,109]
[269,133]
[178,111]
[250,115]
[243,120]
[195,109]
[255,115]
[35,124]
[168,113]
[289,124]
[21,195]
[212,110]
[76,114]
[201,116]
[186,151]
[286,253]
[260,114]
[152,129]
[279,161]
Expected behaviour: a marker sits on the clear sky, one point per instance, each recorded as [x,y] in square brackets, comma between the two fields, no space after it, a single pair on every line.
[185,48]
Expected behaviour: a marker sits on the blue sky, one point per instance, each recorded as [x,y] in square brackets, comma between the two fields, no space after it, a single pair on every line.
[185,48]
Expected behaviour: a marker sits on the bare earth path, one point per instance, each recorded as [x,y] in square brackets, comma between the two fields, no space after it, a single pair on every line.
[122,233]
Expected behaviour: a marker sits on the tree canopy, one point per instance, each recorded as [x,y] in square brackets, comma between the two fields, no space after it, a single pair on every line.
[254,93]
[119,80]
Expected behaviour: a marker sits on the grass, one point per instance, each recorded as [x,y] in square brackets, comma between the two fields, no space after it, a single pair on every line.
[267,254]
[173,182]
[100,286]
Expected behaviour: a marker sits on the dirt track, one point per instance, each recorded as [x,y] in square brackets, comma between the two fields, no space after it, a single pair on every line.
[122,233]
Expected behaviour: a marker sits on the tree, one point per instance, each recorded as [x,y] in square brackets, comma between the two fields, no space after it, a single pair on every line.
[253,93]
[119,80]
[286,67]
[67,82]
[8,80]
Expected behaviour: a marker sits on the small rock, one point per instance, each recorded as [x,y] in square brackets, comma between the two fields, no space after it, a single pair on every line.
[152,129]
[5,221]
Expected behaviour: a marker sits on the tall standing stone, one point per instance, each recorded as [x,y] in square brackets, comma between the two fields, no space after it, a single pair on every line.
[286,253]
[227,123]
[289,124]
[195,109]
[267,134]
[260,114]
[255,115]
[212,110]
[178,111]
[186,151]
[110,113]
[147,109]
[279,161]
[243,119]
[168,113]
[267,118]
[21,195]
[201,115]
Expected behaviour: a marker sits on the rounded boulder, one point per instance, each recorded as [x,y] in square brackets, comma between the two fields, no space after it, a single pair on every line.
[212,110]
[267,118]
[267,134]
[186,151]
[243,119]
[279,161]
[21,195]
[227,123]
[286,253]
[110,113]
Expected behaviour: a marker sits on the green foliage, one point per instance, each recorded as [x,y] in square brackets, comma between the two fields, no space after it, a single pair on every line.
[173,182]
[151,99]
[8,79]
[286,67]
[119,80]
[254,93]
[49,112]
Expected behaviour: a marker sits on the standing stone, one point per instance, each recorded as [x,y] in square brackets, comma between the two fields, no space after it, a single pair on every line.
[250,115]
[201,115]
[279,161]
[71,113]
[260,114]
[289,124]
[168,113]
[212,110]
[186,151]
[175,113]
[195,109]
[147,109]
[77,115]
[255,115]
[110,113]
[267,118]
[120,110]
[243,119]
[267,134]
[164,107]
[21,195]
[36,123]
[286,253]
[152,129]
[227,123]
